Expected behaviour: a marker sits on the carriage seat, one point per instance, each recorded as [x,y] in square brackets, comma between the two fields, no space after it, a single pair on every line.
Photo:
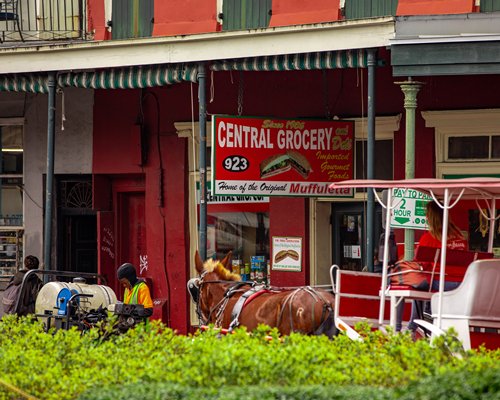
[457,264]
[475,303]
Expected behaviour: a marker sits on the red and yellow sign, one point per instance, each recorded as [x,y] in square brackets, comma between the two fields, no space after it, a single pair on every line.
[281,157]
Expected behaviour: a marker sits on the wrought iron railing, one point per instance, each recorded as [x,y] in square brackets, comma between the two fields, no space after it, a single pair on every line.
[44,20]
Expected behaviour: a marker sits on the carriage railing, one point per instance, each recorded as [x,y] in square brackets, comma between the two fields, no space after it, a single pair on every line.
[43,20]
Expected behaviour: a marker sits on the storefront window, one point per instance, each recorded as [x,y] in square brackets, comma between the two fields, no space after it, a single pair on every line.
[479,231]
[244,233]
[11,175]
[11,198]
[465,147]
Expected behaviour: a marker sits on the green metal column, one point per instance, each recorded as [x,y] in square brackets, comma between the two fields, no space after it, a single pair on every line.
[410,90]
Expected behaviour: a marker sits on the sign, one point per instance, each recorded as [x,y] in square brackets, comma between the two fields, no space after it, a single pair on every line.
[287,254]
[352,251]
[281,157]
[211,199]
[409,210]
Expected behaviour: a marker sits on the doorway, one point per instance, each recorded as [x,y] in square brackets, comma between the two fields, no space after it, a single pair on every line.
[349,234]
[80,243]
[132,230]
[76,225]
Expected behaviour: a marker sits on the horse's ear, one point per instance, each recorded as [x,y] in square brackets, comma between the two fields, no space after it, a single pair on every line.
[198,262]
[227,260]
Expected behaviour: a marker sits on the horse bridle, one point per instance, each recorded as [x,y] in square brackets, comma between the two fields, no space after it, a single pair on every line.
[195,286]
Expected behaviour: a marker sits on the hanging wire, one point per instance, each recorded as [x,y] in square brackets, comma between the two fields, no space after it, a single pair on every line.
[241,90]
[326,100]
[63,109]
[212,87]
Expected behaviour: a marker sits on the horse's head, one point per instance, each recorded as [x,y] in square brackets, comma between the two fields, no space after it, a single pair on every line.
[218,270]
[209,287]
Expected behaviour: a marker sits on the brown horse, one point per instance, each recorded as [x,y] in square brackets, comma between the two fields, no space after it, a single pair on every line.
[223,300]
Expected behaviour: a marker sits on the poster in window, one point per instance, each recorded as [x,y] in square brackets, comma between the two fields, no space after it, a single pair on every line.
[287,254]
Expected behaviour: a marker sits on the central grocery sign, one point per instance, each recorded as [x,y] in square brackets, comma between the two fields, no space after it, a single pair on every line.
[281,157]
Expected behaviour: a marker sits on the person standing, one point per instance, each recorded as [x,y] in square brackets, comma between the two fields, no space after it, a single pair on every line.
[136,290]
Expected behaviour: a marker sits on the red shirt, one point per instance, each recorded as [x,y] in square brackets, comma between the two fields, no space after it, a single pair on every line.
[430,241]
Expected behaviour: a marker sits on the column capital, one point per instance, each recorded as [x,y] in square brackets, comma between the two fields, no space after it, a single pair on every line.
[410,89]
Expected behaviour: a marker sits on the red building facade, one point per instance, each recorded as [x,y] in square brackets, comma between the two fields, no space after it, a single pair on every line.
[144,167]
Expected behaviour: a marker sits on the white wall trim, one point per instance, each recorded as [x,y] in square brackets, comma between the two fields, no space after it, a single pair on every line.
[384,127]
[462,123]
[12,121]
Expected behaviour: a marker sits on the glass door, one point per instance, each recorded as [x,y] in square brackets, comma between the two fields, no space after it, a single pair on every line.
[349,235]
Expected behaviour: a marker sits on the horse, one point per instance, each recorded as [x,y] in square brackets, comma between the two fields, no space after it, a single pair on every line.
[223,300]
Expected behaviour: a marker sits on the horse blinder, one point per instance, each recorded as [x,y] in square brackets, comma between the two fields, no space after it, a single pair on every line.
[193,287]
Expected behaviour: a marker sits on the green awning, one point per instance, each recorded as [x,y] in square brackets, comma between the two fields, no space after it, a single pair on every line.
[129,78]
[296,62]
[113,78]
[33,83]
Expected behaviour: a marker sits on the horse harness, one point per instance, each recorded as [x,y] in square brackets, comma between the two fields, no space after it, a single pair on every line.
[326,315]
[194,288]
[238,307]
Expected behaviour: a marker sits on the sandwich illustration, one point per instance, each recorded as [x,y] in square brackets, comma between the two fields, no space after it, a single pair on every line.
[282,254]
[274,165]
[280,163]
[299,163]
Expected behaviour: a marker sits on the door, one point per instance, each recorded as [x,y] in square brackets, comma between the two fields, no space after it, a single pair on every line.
[349,234]
[80,243]
[132,231]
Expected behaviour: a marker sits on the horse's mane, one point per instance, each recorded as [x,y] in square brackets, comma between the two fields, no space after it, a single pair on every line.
[219,269]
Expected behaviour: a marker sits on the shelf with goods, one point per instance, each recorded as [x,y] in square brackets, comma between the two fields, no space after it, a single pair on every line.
[11,250]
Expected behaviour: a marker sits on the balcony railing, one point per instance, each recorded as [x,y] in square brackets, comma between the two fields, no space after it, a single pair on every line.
[45,20]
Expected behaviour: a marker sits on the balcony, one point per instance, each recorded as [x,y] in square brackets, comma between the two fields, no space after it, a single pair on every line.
[42,20]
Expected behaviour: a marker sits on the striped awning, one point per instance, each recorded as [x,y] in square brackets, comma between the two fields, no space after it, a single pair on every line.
[33,83]
[114,78]
[296,62]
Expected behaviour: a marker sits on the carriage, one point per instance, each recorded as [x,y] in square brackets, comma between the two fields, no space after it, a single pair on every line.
[473,309]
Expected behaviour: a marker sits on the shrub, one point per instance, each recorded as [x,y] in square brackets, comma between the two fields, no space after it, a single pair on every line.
[66,364]
[163,391]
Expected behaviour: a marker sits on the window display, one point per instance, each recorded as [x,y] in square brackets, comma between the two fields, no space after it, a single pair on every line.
[246,234]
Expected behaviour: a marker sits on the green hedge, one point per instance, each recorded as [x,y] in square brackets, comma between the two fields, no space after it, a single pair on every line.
[161,391]
[66,364]
[456,385]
